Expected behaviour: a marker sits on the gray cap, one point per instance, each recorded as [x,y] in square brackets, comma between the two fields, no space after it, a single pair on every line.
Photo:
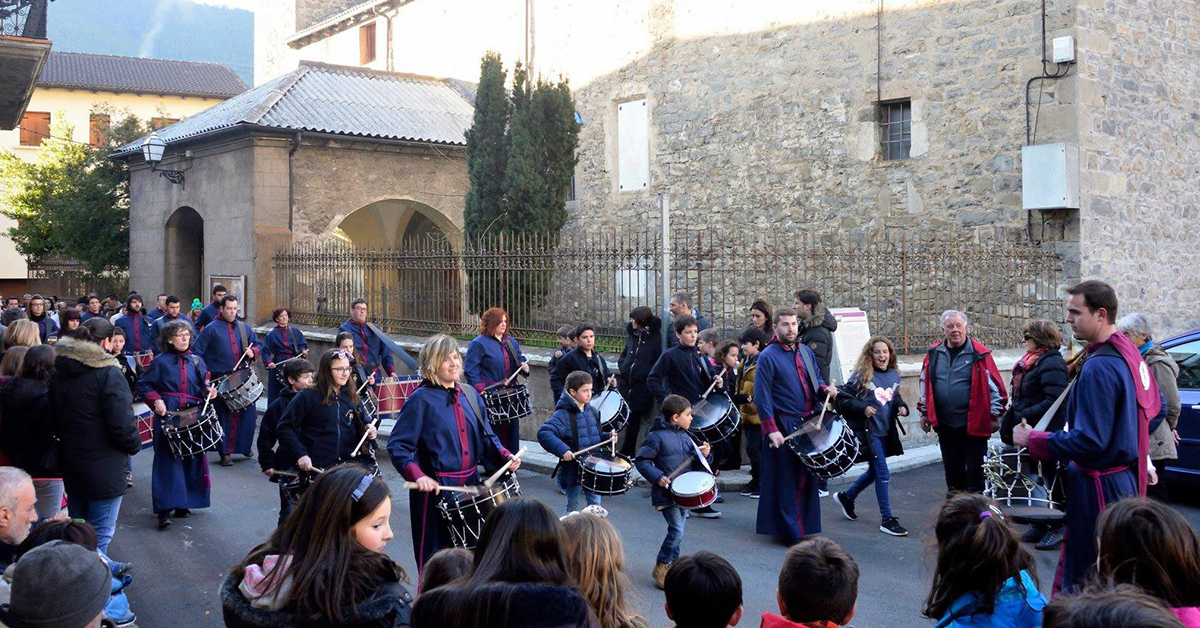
[59,585]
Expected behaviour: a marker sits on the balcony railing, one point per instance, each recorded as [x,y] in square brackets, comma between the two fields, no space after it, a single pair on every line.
[23,18]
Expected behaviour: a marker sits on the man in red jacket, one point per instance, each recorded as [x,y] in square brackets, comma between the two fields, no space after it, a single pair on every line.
[962,397]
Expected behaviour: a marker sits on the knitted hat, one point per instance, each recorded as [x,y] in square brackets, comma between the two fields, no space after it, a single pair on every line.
[59,585]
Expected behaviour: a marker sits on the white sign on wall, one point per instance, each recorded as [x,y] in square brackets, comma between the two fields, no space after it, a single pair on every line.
[853,332]
[633,146]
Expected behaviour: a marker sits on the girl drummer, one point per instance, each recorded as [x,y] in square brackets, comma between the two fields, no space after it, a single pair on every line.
[282,343]
[323,425]
[492,357]
[666,448]
[175,379]
[440,439]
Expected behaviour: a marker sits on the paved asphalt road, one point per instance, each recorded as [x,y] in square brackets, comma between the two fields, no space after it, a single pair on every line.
[178,571]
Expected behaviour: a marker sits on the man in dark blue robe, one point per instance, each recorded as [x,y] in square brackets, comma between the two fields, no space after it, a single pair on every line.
[224,344]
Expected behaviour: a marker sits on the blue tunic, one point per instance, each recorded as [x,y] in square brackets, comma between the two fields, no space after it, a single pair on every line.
[788,504]
[280,344]
[1101,447]
[487,363]
[138,337]
[369,350]
[220,344]
[208,314]
[162,321]
[439,435]
[155,314]
[178,380]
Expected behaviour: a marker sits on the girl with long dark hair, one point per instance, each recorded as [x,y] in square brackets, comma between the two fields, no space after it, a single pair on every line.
[325,566]
[323,424]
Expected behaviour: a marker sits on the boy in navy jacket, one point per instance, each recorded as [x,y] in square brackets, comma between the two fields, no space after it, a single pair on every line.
[667,447]
[573,426]
[299,375]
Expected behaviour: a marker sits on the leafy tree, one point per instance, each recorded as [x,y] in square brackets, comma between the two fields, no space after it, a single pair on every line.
[487,148]
[72,200]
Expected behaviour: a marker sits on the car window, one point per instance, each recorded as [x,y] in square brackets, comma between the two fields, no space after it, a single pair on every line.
[1187,355]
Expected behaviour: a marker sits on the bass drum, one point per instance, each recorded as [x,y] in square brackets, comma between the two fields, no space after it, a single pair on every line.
[1030,490]
[826,446]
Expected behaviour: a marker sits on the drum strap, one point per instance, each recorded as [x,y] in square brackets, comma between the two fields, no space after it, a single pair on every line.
[472,398]
[242,335]
[511,351]
[1049,416]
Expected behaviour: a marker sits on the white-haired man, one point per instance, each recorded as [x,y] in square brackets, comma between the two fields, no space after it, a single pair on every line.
[962,398]
[18,511]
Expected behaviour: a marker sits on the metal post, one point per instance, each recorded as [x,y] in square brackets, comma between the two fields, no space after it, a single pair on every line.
[664,206]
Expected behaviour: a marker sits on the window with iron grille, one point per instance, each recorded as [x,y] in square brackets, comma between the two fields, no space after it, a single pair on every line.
[895,122]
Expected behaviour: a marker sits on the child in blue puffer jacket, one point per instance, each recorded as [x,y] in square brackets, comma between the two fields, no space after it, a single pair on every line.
[573,426]
[666,448]
[984,577]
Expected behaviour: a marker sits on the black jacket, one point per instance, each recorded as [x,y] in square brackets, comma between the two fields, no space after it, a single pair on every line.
[503,605]
[817,332]
[575,360]
[25,424]
[680,371]
[642,348]
[92,413]
[1040,387]
[852,404]
[268,435]
[326,434]
[390,608]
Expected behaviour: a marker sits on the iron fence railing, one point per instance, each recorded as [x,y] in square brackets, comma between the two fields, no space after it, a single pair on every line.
[23,18]
[68,279]
[545,281]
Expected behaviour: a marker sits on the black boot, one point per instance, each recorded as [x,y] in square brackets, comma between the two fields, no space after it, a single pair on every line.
[164,520]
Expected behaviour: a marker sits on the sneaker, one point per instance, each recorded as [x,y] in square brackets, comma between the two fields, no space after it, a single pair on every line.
[892,526]
[1051,540]
[719,500]
[1033,534]
[660,574]
[847,506]
[129,479]
[751,488]
[753,495]
[708,512]
[127,620]
[822,493]
[120,570]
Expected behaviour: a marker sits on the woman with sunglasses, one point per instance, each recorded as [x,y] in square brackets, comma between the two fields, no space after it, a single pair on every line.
[323,424]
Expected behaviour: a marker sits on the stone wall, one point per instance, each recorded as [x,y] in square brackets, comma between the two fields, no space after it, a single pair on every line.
[1140,155]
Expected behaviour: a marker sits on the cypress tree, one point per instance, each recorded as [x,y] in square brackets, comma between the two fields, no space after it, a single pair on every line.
[487,148]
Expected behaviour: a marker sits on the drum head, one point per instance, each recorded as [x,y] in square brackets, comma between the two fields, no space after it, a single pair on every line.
[185,417]
[818,437]
[607,464]
[708,411]
[693,483]
[234,380]
[607,403]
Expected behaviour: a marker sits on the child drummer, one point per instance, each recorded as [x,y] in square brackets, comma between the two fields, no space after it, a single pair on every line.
[668,447]
[574,425]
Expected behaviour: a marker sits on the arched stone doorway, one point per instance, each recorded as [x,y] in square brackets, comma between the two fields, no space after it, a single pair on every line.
[183,255]
[417,293]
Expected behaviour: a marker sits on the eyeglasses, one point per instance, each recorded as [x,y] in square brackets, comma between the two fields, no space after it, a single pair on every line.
[340,369]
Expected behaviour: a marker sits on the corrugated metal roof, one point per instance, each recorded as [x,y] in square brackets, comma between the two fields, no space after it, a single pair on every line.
[340,100]
[339,21]
[77,70]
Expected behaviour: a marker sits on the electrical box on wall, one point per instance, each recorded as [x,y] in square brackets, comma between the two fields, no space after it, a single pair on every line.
[1050,176]
[1064,49]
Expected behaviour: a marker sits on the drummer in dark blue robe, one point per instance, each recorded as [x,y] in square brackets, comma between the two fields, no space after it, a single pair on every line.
[492,358]
[225,343]
[138,337]
[440,439]
[172,312]
[786,388]
[176,378]
[1113,407]
[369,350]
[282,343]
[212,311]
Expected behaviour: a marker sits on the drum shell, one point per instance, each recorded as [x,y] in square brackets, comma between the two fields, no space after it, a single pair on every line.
[601,482]
[1015,480]
[715,418]
[145,424]
[507,403]
[694,499]
[465,514]
[196,437]
[830,451]
[238,391]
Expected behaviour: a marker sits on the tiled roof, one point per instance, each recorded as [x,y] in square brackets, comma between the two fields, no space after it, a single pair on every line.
[340,100]
[76,70]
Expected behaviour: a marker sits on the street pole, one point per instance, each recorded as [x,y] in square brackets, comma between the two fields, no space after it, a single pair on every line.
[664,206]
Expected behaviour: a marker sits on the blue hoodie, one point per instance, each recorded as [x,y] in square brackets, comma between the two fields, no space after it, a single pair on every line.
[555,434]
[666,447]
[1017,606]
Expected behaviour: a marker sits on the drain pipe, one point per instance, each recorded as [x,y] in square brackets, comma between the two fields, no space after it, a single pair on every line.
[292,179]
[387,16]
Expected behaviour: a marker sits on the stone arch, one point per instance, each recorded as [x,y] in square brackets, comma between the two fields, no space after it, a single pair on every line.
[432,292]
[183,254]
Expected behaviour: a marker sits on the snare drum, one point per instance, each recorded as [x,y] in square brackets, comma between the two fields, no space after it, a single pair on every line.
[695,489]
[392,393]
[1029,489]
[145,424]
[613,411]
[606,474]
[294,486]
[465,513]
[507,403]
[240,389]
[715,418]
[191,431]
[828,447]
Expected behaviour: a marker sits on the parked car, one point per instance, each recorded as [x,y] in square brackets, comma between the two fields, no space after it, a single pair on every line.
[1185,350]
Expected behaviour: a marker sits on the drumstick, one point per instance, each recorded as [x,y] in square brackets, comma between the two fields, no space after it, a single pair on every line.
[591,447]
[363,439]
[686,463]
[802,429]
[239,362]
[714,384]
[505,382]
[492,480]
[452,489]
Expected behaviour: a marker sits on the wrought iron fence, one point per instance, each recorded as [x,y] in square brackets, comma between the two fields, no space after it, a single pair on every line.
[67,279]
[545,281]
[23,18]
